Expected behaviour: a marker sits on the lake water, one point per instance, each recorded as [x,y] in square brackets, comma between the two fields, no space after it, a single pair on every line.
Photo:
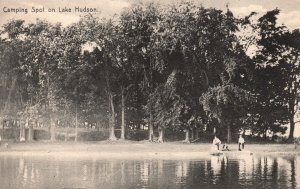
[212,172]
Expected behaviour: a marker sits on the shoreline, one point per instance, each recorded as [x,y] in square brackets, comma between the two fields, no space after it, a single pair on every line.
[139,155]
[139,150]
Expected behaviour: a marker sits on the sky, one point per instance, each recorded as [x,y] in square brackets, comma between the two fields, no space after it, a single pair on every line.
[289,16]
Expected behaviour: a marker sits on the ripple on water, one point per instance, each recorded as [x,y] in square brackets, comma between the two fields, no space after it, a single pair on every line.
[212,172]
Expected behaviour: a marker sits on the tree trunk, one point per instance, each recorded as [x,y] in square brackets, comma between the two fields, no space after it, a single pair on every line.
[30,132]
[151,132]
[229,133]
[51,108]
[112,135]
[123,115]
[292,128]
[76,125]
[111,106]
[293,100]
[187,135]
[265,134]
[14,129]
[52,129]
[192,134]
[22,132]
[2,132]
[197,134]
[291,119]
[161,133]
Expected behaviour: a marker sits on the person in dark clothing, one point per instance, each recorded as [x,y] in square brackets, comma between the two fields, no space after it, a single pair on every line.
[225,147]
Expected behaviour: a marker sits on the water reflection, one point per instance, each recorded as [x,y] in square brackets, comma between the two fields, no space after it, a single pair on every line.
[212,172]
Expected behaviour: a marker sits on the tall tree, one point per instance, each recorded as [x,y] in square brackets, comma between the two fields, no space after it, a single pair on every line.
[226,99]
[278,69]
[102,34]
[138,26]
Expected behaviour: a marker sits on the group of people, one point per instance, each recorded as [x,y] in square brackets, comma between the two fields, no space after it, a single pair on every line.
[217,142]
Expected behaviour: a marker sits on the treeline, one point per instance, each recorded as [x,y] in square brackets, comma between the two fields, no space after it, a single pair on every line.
[184,67]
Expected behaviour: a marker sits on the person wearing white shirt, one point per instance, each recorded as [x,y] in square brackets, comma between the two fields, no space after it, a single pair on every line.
[241,143]
[217,142]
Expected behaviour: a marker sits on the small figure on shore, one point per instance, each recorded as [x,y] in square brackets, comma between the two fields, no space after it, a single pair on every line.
[241,143]
[217,142]
[225,147]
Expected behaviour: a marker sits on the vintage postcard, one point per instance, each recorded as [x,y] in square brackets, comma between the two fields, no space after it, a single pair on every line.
[149,94]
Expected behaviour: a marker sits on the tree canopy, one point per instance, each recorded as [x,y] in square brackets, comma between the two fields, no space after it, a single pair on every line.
[181,68]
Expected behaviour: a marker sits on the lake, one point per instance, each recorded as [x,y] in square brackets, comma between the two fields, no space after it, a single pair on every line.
[19,172]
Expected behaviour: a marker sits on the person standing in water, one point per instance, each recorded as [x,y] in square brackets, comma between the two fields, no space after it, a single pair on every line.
[241,143]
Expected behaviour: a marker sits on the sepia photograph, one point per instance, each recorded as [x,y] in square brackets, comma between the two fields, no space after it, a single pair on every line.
[136,94]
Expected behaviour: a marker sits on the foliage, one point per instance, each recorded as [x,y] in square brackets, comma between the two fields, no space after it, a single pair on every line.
[182,67]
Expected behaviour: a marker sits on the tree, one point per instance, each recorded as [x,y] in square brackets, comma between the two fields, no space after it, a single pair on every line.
[227,97]
[292,41]
[103,36]
[14,54]
[138,26]
[277,68]
[227,103]
[196,52]
[43,63]
[9,78]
